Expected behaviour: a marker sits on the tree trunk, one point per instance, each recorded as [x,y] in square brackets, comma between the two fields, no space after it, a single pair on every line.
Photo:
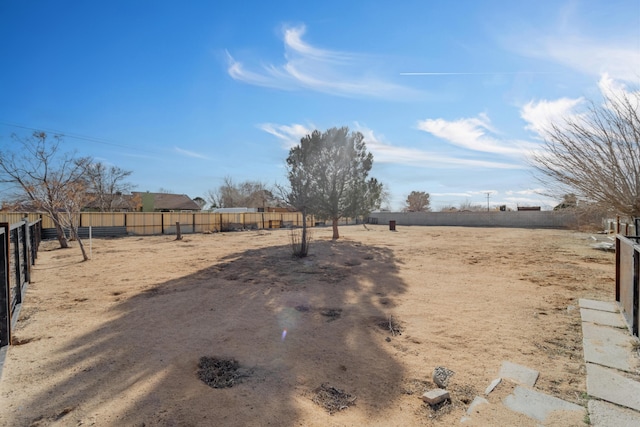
[304,249]
[61,236]
[336,235]
[74,233]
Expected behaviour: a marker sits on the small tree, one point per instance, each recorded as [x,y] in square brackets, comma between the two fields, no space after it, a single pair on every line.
[417,201]
[51,182]
[328,176]
[200,201]
[596,154]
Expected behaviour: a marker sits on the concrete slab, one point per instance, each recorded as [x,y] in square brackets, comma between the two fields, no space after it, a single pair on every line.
[602,318]
[473,408]
[607,384]
[599,305]
[607,346]
[605,414]
[474,405]
[492,386]
[518,373]
[537,405]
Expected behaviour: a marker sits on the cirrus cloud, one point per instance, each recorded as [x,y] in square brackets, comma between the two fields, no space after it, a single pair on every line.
[307,67]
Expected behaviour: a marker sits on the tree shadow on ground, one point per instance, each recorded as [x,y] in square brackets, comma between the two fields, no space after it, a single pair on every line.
[292,325]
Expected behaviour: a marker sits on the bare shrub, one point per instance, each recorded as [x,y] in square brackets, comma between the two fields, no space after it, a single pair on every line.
[300,239]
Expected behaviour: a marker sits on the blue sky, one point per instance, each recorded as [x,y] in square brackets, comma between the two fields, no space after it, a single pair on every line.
[449,94]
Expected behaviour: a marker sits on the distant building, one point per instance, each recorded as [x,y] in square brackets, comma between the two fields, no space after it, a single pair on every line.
[165,202]
[528,208]
[234,210]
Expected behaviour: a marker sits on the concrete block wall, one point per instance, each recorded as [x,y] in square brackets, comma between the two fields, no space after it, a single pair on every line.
[509,219]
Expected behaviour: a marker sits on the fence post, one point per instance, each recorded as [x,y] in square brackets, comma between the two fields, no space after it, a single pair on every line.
[16,258]
[5,288]
[178,233]
[26,250]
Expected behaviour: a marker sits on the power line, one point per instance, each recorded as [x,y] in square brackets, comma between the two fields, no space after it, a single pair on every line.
[79,137]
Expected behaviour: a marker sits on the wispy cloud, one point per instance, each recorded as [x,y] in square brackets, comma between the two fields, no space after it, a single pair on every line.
[289,135]
[610,88]
[540,115]
[528,192]
[467,193]
[589,56]
[384,152]
[473,133]
[576,44]
[190,153]
[307,67]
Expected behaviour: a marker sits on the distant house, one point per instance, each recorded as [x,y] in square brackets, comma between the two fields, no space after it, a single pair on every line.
[164,202]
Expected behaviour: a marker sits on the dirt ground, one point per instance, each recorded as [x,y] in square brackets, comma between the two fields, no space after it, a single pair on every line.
[118,340]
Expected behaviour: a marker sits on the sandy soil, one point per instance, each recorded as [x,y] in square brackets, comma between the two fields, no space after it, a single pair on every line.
[117,340]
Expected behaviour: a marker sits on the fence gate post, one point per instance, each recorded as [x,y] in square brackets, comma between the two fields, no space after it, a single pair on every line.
[5,287]
[635,327]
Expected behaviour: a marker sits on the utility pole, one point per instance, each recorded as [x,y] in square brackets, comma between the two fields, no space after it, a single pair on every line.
[488,193]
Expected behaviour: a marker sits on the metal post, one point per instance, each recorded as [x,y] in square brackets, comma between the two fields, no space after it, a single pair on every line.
[5,292]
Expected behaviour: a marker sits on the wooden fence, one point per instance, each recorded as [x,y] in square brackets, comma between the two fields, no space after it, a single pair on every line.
[628,279]
[153,223]
[18,251]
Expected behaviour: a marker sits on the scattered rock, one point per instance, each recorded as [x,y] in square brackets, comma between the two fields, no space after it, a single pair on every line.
[441,376]
[435,396]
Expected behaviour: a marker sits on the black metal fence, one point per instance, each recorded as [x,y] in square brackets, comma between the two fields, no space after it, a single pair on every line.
[19,244]
[628,279]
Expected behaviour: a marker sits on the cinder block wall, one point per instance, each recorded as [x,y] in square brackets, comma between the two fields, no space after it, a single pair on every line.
[514,219]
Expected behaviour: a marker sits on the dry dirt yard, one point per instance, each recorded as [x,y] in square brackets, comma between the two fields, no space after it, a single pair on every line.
[359,326]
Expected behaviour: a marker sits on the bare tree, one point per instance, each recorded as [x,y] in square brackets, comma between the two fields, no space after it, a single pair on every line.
[328,176]
[596,154]
[417,201]
[247,194]
[71,203]
[107,185]
[50,181]
[213,198]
